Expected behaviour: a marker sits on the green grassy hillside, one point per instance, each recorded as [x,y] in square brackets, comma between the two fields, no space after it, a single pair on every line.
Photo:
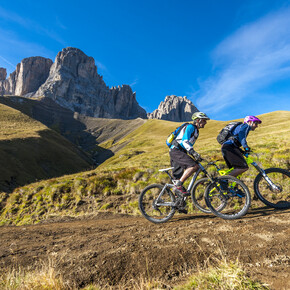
[115,184]
[29,151]
[145,147]
[83,131]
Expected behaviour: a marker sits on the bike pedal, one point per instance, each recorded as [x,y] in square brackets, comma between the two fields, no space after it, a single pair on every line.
[183,211]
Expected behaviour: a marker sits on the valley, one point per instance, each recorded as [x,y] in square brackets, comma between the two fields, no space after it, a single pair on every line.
[82,224]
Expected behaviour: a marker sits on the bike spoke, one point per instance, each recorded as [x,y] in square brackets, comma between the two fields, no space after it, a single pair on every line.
[275,191]
[197,194]
[228,198]
[154,207]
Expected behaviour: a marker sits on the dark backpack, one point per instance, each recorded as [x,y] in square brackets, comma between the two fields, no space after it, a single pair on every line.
[226,132]
[171,138]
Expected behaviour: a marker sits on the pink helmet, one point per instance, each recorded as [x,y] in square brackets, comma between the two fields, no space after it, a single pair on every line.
[252,119]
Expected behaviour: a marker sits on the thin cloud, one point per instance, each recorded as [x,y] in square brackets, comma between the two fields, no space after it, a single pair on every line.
[101,66]
[135,82]
[24,49]
[32,25]
[13,17]
[9,39]
[255,56]
[8,62]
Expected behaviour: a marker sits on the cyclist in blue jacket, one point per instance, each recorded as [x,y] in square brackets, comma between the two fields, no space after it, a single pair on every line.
[184,165]
[231,151]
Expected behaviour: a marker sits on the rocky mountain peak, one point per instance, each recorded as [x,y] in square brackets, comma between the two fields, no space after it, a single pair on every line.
[174,108]
[29,75]
[77,63]
[74,83]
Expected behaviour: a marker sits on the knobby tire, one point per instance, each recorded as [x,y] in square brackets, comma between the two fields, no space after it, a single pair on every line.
[150,209]
[228,204]
[197,194]
[279,200]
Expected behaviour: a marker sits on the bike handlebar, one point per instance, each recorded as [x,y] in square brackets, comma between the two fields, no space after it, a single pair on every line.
[209,163]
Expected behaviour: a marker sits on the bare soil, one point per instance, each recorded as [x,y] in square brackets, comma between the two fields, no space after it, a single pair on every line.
[113,249]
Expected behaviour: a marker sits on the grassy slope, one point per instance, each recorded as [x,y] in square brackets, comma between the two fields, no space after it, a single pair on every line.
[31,151]
[146,145]
[115,185]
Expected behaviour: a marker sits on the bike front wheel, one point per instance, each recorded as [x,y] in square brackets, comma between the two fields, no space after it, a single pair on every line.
[228,197]
[157,203]
[274,189]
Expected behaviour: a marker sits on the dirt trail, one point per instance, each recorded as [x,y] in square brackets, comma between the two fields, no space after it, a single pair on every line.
[113,249]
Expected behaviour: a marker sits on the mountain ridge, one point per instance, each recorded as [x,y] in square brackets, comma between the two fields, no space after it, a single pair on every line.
[73,82]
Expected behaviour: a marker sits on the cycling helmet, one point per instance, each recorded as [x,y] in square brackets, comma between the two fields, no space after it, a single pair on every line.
[199,115]
[252,119]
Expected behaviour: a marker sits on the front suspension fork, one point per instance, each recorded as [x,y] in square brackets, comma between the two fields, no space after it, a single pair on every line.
[272,185]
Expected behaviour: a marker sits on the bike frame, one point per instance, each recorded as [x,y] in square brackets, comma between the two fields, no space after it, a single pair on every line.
[249,160]
[190,186]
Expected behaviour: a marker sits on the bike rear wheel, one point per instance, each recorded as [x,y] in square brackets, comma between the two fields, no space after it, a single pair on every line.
[197,194]
[278,195]
[228,197]
[156,208]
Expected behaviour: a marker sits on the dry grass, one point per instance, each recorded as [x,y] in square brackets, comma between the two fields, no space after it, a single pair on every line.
[44,276]
[17,125]
[219,275]
[227,276]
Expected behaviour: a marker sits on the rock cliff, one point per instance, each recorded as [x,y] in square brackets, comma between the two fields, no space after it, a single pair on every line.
[177,109]
[3,74]
[74,83]
[29,75]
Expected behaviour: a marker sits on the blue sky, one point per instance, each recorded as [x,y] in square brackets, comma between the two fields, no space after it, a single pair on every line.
[231,58]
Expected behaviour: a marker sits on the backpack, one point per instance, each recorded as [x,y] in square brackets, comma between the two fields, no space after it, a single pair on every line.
[171,137]
[226,132]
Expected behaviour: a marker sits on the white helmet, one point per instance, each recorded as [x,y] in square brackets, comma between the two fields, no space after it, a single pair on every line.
[199,115]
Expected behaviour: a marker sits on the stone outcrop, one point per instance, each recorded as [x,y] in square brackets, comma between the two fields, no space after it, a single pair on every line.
[178,109]
[74,83]
[29,75]
[3,74]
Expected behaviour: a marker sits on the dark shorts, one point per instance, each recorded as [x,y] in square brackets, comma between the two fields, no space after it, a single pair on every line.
[233,156]
[180,161]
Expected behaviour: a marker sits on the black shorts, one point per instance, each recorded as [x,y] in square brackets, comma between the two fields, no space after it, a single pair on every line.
[234,157]
[180,161]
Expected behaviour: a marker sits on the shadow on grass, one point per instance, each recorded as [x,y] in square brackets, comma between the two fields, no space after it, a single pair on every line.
[60,119]
[27,160]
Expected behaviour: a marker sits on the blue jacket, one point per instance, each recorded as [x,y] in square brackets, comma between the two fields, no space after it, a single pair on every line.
[240,132]
[187,137]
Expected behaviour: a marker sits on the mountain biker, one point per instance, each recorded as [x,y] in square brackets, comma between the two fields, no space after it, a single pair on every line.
[184,165]
[231,151]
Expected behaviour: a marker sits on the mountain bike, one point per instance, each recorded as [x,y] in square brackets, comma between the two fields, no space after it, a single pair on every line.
[158,203]
[271,186]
